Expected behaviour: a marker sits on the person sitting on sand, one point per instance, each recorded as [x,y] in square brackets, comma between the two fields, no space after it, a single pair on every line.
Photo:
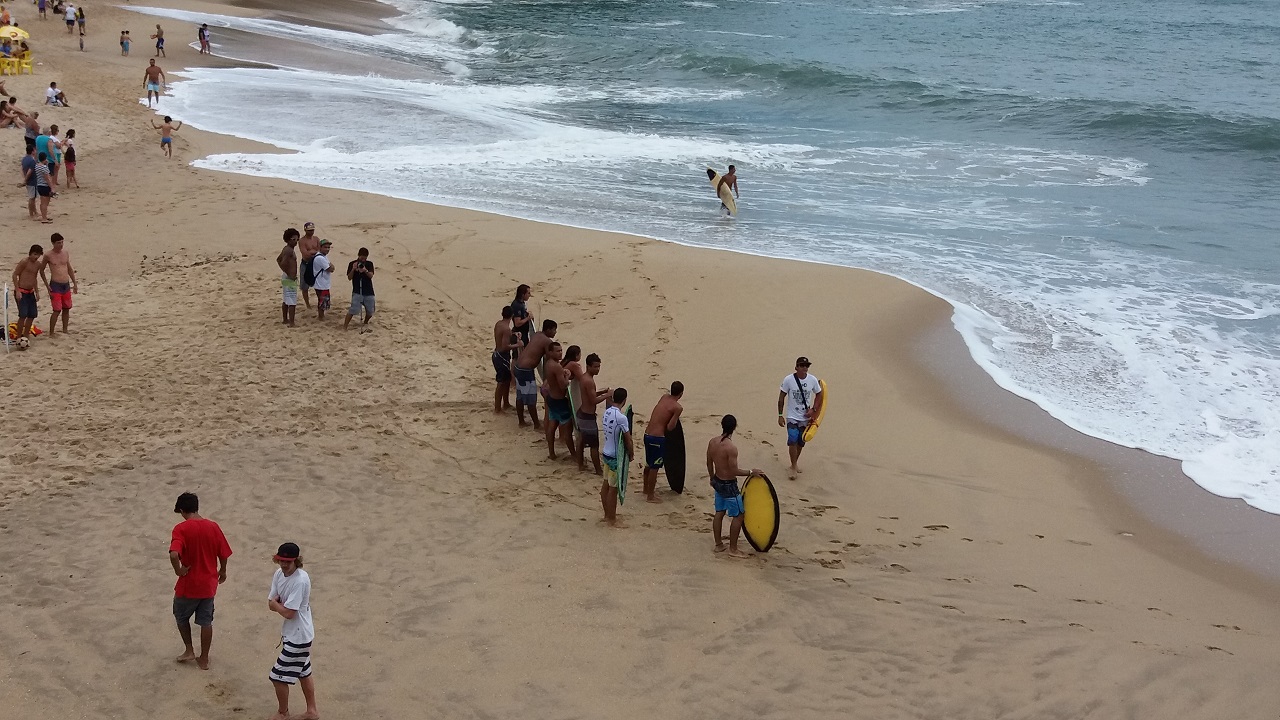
[526,381]
[167,129]
[8,118]
[55,97]
[615,424]
[722,466]
[664,417]
[290,598]
[196,546]
[6,50]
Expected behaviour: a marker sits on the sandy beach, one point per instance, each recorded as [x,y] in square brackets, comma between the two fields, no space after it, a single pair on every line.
[931,563]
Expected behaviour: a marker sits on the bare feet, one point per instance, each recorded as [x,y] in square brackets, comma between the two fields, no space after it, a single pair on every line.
[523,423]
[616,524]
[721,548]
[736,553]
[187,656]
[279,716]
[306,716]
[791,473]
[653,499]
[202,663]
[552,456]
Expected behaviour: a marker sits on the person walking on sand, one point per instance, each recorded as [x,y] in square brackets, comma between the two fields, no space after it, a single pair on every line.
[167,129]
[153,78]
[42,6]
[61,285]
[69,158]
[722,466]
[506,343]
[203,36]
[799,401]
[159,38]
[197,545]
[360,273]
[44,186]
[25,291]
[615,424]
[290,598]
[526,382]
[288,262]
[125,40]
[589,398]
[308,248]
[323,270]
[665,416]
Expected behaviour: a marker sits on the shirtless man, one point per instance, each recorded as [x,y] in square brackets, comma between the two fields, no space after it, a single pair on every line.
[62,283]
[506,342]
[722,466]
[153,80]
[526,381]
[559,410]
[167,129]
[159,38]
[309,246]
[588,400]
[288,262]
[731,179]
[25,290]
[665,416]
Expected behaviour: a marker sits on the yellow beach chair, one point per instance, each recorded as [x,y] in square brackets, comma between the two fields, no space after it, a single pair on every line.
[24,63]
[9,66]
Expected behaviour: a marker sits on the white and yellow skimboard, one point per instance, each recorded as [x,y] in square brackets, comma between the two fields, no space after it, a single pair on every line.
[726,195]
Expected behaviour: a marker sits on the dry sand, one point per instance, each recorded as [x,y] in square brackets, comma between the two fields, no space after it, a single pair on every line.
[930,565]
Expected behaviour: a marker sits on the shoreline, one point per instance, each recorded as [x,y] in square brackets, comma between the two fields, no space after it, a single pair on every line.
[1176,507]
[931,564]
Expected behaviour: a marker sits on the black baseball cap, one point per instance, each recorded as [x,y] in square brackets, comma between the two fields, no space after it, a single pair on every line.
[802,360]
[287,551]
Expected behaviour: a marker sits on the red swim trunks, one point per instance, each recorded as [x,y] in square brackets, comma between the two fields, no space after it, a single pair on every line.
[323,302]
[60,296]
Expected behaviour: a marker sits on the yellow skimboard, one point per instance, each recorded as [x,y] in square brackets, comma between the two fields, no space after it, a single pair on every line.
[812,430]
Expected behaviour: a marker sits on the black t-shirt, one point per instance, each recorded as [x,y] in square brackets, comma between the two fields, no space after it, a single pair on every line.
[361,284]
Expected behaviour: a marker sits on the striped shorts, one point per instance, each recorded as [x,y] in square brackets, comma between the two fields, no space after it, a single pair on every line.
[293,664]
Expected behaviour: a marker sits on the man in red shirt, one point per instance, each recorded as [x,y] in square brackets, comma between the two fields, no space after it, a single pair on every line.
[196,544]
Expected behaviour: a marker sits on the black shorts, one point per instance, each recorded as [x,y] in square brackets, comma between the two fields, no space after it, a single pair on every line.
[44,190]
[501,367]
[27,307]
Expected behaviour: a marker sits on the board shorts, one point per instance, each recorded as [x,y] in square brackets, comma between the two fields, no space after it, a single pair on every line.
[589,429]
[526,386]
[151,86]
[60,296]
[159,43]
[27,305]
[288,290]
[560,411]
[795,432]
[293,664]
[361,301]
[166,141]
[501,366]
[322,300]
[654,447]
[611,469]
[184,608]
[728,498]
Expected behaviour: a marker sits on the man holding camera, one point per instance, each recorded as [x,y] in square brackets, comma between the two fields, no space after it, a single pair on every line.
[360,273]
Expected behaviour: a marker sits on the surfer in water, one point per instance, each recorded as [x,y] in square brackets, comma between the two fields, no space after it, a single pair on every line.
[664,417]
[722,466]
[528,359]
[730,179]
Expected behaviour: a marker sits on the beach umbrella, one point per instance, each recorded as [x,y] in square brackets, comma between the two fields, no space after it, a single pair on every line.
[13,32]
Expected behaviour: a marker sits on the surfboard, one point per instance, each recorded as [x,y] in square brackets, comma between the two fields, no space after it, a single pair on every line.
[726,195]
[575,395]
[812,430]
[761,513]
[673,458]
[624,460]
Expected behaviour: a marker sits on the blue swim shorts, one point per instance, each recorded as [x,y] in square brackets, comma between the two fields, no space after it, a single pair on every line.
[653,451]
[560,411]
[526,386]
[795,433]
[729,506]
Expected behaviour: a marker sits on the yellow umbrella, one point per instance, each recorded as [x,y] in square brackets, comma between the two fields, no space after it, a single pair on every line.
[14,32]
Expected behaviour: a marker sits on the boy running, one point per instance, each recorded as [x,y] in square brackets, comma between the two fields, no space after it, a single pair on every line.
[167,129]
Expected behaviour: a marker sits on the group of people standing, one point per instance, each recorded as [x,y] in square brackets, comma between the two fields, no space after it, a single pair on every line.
[198,553]
[305,266]
[522,355]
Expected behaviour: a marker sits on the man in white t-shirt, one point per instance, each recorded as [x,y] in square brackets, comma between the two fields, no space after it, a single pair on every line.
[323,270]
[290,598]
[54,96]
[799,401]
[615,425]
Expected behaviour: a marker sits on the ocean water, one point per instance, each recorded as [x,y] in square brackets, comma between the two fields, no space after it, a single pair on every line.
[1093,184]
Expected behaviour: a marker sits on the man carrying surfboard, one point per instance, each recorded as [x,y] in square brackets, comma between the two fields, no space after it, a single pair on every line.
[799,401]
[615,424]
[665,416]
[722,467]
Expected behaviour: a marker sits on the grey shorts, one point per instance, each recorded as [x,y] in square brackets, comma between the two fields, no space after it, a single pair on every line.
[362,301]
[31,192]
[202,608]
